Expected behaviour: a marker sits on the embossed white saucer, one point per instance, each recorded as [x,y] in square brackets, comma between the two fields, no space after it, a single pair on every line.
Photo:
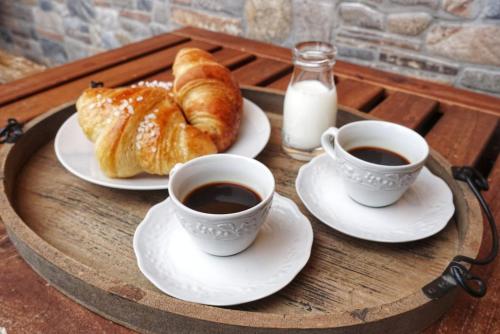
[172,262]
[423,211]
[76,152]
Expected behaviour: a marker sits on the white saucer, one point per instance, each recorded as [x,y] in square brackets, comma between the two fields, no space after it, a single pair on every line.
[424,209]
[172,262]
[76,152]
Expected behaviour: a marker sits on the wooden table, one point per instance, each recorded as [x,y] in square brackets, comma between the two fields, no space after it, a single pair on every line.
[461,125]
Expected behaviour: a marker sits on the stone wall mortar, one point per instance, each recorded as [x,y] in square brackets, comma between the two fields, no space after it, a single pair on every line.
[456,42]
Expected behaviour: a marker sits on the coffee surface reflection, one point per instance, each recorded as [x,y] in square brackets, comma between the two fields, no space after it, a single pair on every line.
[221,198]
[379,156]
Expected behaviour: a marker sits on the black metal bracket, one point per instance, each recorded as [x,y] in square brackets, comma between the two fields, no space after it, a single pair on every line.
[11,132]
[96,84]
[456,273]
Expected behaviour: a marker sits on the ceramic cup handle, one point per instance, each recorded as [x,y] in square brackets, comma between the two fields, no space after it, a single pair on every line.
[326,141]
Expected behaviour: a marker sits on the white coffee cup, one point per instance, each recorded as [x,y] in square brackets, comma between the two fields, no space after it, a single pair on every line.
[368,183]
[222,234]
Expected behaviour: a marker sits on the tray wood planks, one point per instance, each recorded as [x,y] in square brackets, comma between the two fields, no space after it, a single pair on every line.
[78,236]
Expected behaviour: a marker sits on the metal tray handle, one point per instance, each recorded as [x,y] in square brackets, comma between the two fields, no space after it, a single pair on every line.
[11,132]
[456,273]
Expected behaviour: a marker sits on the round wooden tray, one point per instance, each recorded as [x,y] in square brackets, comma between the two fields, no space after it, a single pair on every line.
[78,236]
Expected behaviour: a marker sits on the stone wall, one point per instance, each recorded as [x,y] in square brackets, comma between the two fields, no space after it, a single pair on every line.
[451,41]
[13,68]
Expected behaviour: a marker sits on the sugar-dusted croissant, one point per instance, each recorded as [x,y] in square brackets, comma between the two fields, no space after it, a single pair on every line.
[138,130]
[208,95]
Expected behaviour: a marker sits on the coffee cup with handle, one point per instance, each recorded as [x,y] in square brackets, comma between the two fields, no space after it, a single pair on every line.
[222,234]
[374,184]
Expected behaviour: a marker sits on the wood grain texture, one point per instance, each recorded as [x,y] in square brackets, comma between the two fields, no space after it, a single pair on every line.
[385,80]
[122,74]
[281,83]
[71,71]
[63,211]
[358,95]
[230,58]
[87,230]
[261,71]
[461,134]
[405,109]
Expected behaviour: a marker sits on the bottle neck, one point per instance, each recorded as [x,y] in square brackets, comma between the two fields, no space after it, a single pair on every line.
[323,75]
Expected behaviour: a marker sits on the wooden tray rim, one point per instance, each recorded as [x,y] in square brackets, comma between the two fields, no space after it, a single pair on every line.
[20,232]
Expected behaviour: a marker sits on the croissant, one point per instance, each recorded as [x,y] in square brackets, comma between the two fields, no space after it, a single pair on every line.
[208,95]
[148,128]
[139,129]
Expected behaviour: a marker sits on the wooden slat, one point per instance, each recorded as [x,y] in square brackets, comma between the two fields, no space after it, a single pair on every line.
[473,315]
[232,58]
[228,57]
[358,95]
[408,110]
[281,83]
[162,76]
[392,81]
[119,75]
[433,90]
[461,134]
[261,71]
[61,74]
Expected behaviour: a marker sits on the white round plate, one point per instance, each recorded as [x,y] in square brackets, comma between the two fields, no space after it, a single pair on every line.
[172,262]
[76,153]
[424,209]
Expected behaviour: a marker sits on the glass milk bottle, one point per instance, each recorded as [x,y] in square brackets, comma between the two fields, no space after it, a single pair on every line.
[310,105]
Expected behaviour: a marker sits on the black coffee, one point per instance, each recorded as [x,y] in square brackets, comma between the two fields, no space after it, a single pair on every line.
[221,197]
[380,156]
